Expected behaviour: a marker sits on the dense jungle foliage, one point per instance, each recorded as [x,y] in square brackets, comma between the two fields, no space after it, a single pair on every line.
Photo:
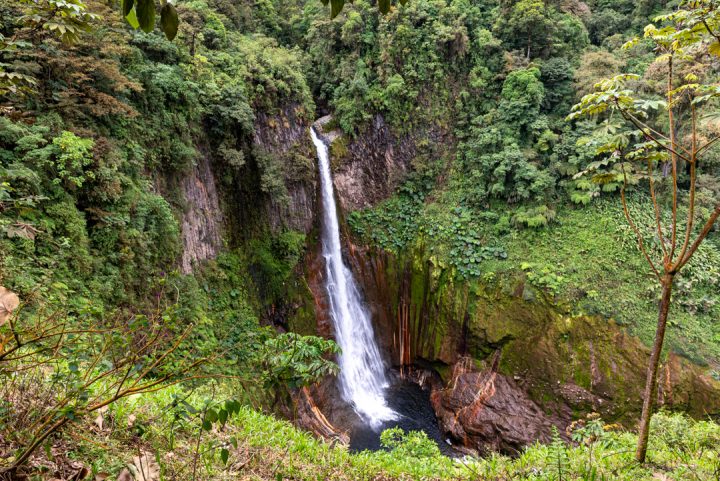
[100,123]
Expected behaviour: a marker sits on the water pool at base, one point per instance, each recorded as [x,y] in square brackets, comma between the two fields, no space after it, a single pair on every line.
[415,413]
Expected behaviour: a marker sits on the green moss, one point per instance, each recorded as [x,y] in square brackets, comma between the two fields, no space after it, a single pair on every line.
[303,319]
[339,150]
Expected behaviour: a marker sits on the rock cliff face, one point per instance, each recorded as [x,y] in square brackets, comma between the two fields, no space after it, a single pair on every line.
[369,166]
[508,365]
[488,411]
[202,218]
[286,136]
[219,201]
[551,366]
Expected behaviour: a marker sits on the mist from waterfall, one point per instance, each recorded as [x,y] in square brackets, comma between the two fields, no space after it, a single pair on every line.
[362,373]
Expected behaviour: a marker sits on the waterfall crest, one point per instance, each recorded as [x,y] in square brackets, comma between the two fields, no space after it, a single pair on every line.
[362,373]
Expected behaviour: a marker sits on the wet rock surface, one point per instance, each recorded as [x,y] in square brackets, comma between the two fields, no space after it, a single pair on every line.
[286,136]
[369,166]
[488,411]
[554,367]
[564,365]
[309,415]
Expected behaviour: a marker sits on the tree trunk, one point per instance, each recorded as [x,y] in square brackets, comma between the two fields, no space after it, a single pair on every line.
[528,45]
[651,382]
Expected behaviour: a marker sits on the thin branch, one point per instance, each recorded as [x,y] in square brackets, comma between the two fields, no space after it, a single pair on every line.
[701,237]
[165,354]
[693,177]
[644,128]
[707,145]
[709,30]
[656,208]
[634,227]
[673,158]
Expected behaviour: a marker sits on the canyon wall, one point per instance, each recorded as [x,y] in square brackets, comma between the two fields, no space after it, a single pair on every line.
[202,219]
[285,136]
[547,365]
[505,361]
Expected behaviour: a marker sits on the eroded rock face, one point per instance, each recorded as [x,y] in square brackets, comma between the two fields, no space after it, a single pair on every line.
[553,367]
[488,411]
[368,167]
[308,414]
[202,219]
[567,365]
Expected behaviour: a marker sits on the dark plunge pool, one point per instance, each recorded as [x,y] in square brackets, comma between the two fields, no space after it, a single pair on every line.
[412,403]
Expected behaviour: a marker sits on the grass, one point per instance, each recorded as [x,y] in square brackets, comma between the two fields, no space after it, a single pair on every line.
[599,270]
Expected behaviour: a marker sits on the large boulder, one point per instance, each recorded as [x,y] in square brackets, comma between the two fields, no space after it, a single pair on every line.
[488,411]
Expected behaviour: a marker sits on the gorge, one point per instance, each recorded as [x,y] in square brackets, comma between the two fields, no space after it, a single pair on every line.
[281,239]
[503,363]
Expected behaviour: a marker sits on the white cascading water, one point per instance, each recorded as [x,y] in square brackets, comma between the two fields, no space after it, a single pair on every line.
[362,373]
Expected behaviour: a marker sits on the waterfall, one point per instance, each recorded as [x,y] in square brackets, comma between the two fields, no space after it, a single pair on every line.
[362,373]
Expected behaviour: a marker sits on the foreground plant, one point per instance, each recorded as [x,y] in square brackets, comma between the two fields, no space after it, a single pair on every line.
[57,369]
[663,148]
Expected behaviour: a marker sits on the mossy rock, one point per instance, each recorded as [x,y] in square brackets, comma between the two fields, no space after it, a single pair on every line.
[568,364]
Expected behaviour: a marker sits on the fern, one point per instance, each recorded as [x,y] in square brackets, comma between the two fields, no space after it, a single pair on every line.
[558,453]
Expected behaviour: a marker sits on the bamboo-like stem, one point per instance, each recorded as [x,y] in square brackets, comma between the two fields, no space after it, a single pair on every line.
[701,237]
[667,262]
[651,378]
[638,234]
[656,207]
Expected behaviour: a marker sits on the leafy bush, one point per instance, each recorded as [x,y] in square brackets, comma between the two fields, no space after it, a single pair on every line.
[413,444]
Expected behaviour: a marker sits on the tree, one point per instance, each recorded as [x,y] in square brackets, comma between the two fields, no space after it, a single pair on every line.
[594,66]
[80,365]
[527,25]
[671,138]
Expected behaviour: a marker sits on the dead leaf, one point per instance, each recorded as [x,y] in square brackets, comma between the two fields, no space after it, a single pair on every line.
[23,231]
[146,468]
[125,475]
[100,419]
[102,476]
[131,420]
[9,301]
[81,473]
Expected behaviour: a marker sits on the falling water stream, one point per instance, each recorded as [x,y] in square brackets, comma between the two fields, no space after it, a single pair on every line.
[362,374]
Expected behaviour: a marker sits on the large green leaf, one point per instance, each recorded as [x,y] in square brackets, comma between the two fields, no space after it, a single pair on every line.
[169,20]
[336,7]
[145,11]
[132,19]
[384,6]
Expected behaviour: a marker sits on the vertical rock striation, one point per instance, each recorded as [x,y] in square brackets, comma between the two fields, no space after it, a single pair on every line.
[202,219]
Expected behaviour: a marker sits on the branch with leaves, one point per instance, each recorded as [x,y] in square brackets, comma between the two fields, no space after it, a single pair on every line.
[90,368]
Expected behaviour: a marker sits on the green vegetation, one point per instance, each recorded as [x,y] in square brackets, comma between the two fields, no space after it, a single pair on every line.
[587,259]
[258,446]
[115,353]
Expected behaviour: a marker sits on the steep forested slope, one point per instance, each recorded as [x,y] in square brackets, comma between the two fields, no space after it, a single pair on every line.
[174,183]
